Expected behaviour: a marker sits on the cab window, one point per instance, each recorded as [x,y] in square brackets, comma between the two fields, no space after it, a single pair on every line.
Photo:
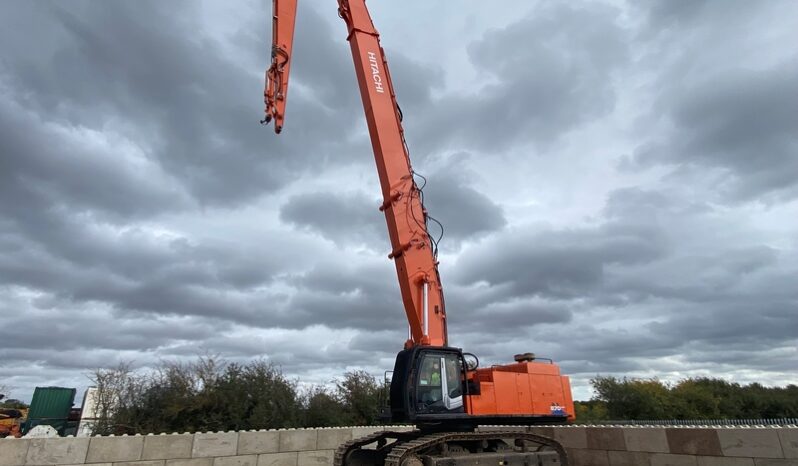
[439,384]
[429,380]
[431,371]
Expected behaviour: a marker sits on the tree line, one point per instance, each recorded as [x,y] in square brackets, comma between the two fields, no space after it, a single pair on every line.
[212,395]
[694,398]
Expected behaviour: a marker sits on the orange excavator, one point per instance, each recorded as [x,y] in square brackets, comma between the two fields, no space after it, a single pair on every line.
[437,387]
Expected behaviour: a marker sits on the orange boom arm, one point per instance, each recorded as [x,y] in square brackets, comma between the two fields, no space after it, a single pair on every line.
[276,90]
[413,248]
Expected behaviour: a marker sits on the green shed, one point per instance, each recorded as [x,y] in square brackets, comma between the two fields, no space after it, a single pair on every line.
[50,406]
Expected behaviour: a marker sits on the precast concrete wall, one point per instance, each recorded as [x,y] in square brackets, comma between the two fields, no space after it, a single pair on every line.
[284,447]
[676,446]
[587,446]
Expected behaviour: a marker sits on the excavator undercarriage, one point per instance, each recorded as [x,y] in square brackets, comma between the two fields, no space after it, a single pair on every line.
[417,448]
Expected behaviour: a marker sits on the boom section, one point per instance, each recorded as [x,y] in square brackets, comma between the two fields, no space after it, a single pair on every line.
[413,253]
[412,247]
[276,91]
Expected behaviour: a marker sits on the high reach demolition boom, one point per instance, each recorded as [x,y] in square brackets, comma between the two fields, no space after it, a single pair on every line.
[439,388]
[414,250]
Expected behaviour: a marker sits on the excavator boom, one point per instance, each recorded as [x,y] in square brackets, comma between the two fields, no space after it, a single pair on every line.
[276,91]
[413,249]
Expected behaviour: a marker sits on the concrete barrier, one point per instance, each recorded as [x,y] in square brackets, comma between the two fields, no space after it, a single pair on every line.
[284,447]
[677,446]
[587,446]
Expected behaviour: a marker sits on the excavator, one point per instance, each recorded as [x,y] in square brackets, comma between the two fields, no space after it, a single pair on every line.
[437,387]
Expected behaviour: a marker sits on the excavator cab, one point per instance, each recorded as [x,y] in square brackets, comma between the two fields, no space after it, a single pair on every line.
[428,383]
[439,383]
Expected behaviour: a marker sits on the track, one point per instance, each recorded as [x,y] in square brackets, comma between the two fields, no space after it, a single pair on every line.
[416,448]
[451,449]
[381,439]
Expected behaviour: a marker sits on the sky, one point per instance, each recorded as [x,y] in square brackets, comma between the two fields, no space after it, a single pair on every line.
[618,185]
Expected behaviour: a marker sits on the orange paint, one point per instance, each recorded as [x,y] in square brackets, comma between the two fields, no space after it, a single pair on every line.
[521,388]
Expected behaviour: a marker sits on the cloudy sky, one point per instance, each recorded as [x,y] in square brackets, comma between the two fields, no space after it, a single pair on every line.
[618,184]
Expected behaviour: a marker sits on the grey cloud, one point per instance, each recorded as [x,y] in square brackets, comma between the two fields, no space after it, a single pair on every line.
[104,83]
[545,75]
[667,12]
[648,299]
[734,353]
[650,206]
[414,83]
[49,166]
[743,123]
[561,264]
[73,361]
[80,330]
[343,217]
[137,272]
[660,351]
[317,355]
[190,107]
[728,322]
[322,61]
[355,296]
[76,256]
[722,113]
[510,318]
[464,212]
[388,341]
[695,15]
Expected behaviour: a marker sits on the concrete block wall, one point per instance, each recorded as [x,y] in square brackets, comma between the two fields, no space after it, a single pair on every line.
[587,446]
[677,446]
[284,447]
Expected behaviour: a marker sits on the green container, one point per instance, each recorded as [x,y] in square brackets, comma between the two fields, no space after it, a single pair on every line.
[50,406]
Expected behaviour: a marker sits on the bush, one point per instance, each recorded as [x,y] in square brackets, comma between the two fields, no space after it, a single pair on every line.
[207,395]
[698,398]
[212,395]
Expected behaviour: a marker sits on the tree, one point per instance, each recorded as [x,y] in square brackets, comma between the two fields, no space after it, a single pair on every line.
[13,403]
[633,398]
[590,411]
[698,398]
[704,398]
[258,396]
[324,409]
[115,389]
[167,399]
[205,395]
[361,396]
[9,403]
